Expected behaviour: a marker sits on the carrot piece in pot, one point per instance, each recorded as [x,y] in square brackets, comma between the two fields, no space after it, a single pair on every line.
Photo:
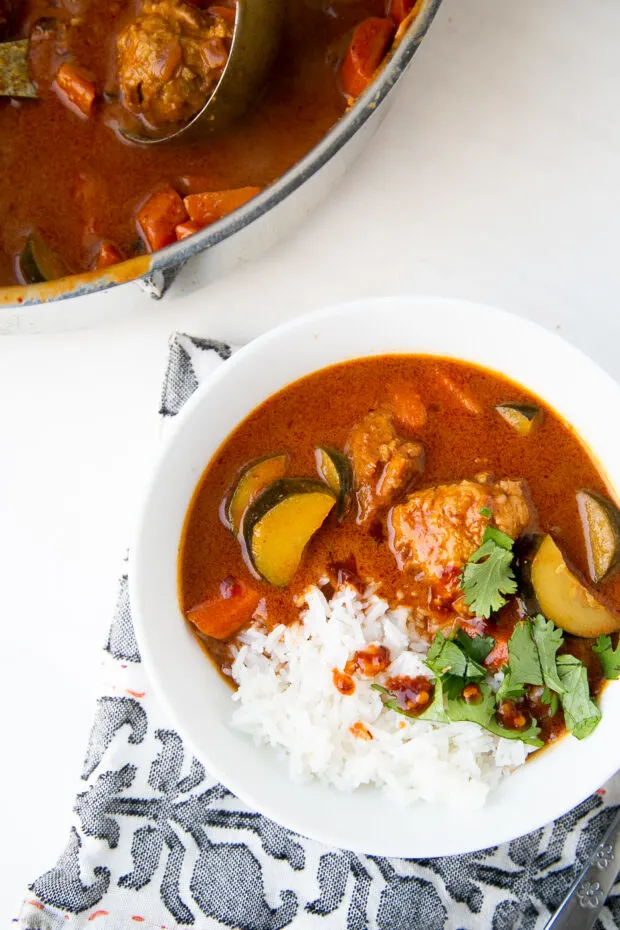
[223,616]
[365,54]
[159,216]
[186,229]
[76,88]
[209,206]
[461,395]
[107,255]
[406,405]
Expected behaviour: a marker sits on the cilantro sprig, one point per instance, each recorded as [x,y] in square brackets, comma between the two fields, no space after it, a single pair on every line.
[548,639]
[533,660]
[484,713]
[523,656]
[458,658]
[532,652]
[457,663]
[609,657]
[488,576]
[581,714]
[476,647]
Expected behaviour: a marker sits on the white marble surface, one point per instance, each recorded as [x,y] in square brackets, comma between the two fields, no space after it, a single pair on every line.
[495,178]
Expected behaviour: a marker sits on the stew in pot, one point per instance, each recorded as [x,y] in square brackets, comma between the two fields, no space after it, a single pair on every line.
[75,194]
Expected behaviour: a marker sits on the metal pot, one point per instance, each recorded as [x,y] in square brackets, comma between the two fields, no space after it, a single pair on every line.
[239,236]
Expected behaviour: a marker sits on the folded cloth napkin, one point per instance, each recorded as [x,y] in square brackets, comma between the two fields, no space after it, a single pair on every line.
[156,841]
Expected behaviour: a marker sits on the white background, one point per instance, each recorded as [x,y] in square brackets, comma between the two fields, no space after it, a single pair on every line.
[495,177]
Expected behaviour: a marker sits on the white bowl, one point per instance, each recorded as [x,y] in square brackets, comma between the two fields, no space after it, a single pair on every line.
[199,702]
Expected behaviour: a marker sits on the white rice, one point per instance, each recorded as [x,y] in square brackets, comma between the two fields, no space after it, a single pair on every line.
[287,699]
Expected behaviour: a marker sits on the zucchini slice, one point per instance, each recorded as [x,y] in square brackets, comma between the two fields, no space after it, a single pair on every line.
[551,588]
[280,523]
[254,478]
[600,519]
[14,62]
[521,417]
[39,263]
[335,469]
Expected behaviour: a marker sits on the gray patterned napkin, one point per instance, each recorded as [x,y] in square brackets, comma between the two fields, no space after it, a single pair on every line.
[156,841]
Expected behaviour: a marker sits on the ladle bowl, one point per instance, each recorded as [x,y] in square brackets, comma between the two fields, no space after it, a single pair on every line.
[255,42]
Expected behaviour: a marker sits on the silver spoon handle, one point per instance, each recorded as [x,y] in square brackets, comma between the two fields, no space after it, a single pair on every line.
[586,897]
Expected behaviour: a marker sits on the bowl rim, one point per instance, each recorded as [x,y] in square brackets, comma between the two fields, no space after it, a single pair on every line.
[599,767]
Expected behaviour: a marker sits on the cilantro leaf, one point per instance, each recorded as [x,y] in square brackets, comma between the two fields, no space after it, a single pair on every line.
[444,656]
[609,658]
[509,689]
[480,712]
[476,647]
[488,574]
[529,736]
[500,539]
[450,663]
[434,712]
[486,512]
[550,697]
[548,639]
[532,652]
[388,700]
[523,656]
[453,686]
[581,714]
[483,713]
[454,663]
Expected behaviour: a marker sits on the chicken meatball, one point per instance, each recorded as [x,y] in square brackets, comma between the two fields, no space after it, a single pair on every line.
[435,531]
[384,465]
[170,59]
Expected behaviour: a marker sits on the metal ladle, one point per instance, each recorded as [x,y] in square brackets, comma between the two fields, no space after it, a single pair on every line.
[256,36]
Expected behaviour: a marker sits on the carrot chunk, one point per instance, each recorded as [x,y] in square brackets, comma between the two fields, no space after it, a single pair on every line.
[107,255]
[461,395]
[76,88]
[90,192]
[406,405]
[159,216]
[208,206]
[186,229]
[223,616]
[368,46]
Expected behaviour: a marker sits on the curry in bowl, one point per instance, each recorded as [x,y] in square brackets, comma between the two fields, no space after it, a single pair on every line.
[406,567]
[76,194]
